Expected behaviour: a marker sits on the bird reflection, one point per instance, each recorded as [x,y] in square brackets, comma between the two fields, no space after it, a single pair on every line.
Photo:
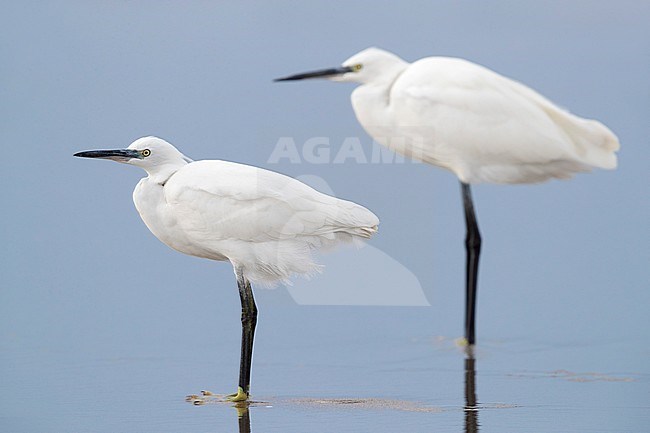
[243,417]
[471,405]
[471,408]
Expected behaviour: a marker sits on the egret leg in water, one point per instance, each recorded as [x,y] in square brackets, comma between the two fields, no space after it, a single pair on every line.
[467,119]
[248,323]
[264,223]
[473,247]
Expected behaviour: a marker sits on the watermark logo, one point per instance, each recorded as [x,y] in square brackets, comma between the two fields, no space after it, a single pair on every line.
[357,274]
[323,150]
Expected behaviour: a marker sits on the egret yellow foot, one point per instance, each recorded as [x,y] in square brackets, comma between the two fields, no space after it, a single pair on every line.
[239,396]
[209,397]
[464,345]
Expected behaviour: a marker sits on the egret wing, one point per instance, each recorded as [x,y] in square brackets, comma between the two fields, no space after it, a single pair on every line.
[220,200]
[461,114]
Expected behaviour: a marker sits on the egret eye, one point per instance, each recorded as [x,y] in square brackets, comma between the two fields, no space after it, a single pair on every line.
[145,153]
[357,67]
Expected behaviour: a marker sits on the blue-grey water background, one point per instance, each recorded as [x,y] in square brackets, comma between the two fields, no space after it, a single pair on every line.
[103,328]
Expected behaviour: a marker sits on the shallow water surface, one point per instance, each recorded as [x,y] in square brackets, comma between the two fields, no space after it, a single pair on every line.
[360,372]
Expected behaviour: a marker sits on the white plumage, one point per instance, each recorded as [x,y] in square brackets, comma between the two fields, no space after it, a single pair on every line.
[262,221]
[266,224]
[469,120]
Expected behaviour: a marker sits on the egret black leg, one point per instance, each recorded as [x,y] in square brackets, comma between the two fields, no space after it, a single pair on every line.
[248,322]
[473,247]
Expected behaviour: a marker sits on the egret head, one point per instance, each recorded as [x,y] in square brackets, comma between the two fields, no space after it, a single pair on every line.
[153,154]
[154,151]
[370,65]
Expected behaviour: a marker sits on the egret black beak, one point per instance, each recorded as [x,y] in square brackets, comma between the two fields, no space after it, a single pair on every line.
[323,73]
[119,155]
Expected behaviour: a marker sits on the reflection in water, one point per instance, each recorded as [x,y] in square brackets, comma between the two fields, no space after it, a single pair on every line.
[243,417]
[471,406]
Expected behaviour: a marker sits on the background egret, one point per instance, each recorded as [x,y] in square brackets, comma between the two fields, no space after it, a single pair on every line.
[478,124]
[265,223]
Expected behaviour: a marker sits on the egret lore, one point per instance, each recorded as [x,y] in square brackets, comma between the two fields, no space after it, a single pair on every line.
[465,118]
[265,223]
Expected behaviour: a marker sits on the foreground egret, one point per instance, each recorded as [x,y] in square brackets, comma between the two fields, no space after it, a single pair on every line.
[465,118]
[266,224]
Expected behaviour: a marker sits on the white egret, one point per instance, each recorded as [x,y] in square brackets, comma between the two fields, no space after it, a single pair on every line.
[467,119]
[265,223]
